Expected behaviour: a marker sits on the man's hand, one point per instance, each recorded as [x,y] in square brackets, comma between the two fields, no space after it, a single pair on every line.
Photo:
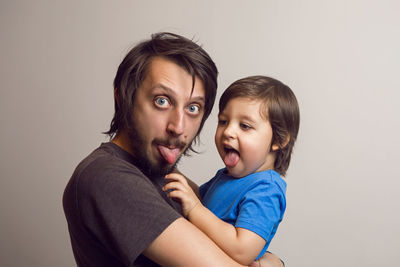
[181,191]
[268,260]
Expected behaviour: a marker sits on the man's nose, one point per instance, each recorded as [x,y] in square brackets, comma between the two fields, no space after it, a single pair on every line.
[176,123]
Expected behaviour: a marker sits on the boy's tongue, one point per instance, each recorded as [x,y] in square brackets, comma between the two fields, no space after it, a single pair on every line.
[169,154]
[231,158]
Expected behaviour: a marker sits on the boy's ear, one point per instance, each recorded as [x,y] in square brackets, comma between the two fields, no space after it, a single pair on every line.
[282,145]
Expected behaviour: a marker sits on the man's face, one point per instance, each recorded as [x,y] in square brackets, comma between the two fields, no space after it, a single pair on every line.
[166,116]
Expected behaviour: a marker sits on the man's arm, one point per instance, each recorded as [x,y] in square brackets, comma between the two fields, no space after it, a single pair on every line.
[240,244]
[182,244]
[268,259]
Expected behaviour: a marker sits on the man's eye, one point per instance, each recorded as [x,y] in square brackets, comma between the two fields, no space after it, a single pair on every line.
[161,101]
[194,109]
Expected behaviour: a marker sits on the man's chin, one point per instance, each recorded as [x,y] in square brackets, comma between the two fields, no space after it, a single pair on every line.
[160,171]
[164,167]
[153,164]
[157,168]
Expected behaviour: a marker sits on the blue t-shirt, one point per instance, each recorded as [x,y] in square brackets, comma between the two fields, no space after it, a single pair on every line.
[255,202]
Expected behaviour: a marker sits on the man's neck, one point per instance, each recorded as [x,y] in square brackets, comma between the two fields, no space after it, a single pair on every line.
[121,139]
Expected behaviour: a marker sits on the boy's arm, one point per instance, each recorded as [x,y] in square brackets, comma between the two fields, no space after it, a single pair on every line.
[240,244]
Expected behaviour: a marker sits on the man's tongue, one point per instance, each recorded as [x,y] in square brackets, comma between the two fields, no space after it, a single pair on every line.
[231,158]
[169,154]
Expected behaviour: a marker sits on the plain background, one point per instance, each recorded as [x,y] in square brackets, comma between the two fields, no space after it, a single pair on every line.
[341,58]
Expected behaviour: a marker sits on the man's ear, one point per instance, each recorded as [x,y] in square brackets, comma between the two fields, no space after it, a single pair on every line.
[282,145]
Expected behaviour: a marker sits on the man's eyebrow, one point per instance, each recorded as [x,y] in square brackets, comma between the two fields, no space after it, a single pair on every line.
[198,99]
[164,87]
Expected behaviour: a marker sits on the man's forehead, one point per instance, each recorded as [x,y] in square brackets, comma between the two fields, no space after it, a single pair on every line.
[167,76]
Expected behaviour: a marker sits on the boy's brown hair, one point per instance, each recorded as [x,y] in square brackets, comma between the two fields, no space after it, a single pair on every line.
[279,106]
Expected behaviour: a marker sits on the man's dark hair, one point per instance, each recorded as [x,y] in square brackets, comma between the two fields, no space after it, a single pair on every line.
[279,106]
[133,69]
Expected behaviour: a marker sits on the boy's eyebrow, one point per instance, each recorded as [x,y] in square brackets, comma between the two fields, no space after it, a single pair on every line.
[248,118]
[242,117]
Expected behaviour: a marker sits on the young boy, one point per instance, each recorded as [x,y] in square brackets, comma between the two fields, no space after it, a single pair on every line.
[258,123]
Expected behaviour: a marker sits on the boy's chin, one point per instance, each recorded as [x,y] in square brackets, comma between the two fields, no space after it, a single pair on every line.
[235,174]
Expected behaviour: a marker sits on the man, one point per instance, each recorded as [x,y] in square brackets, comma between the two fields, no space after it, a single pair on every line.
[116,211]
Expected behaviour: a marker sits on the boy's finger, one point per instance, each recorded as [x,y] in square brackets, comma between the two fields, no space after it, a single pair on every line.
[176,177]
[174,186]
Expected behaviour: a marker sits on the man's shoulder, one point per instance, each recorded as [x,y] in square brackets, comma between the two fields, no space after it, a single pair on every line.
[103,176]
[107,158]
[106,166]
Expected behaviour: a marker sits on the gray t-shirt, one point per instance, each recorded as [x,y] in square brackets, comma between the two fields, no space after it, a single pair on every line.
[113,210]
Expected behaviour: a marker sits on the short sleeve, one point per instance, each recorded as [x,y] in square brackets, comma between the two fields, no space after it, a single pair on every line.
[122,209]
[261,209]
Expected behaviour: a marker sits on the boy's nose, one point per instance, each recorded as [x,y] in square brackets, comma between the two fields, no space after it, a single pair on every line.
[229,132]
[176,123]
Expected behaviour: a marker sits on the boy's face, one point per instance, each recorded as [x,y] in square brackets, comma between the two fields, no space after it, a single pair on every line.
[166,116]
[243,138]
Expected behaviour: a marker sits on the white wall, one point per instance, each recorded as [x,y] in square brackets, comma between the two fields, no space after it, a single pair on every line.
[57,63]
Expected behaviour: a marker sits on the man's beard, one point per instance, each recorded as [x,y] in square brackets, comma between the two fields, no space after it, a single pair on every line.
[151,169]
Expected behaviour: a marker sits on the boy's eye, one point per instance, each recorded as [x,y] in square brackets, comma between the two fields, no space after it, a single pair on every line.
[161,101]
[245,126]
[194,109]
[222,122]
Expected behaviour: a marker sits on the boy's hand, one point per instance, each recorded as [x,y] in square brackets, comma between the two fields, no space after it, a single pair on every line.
[181,190]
